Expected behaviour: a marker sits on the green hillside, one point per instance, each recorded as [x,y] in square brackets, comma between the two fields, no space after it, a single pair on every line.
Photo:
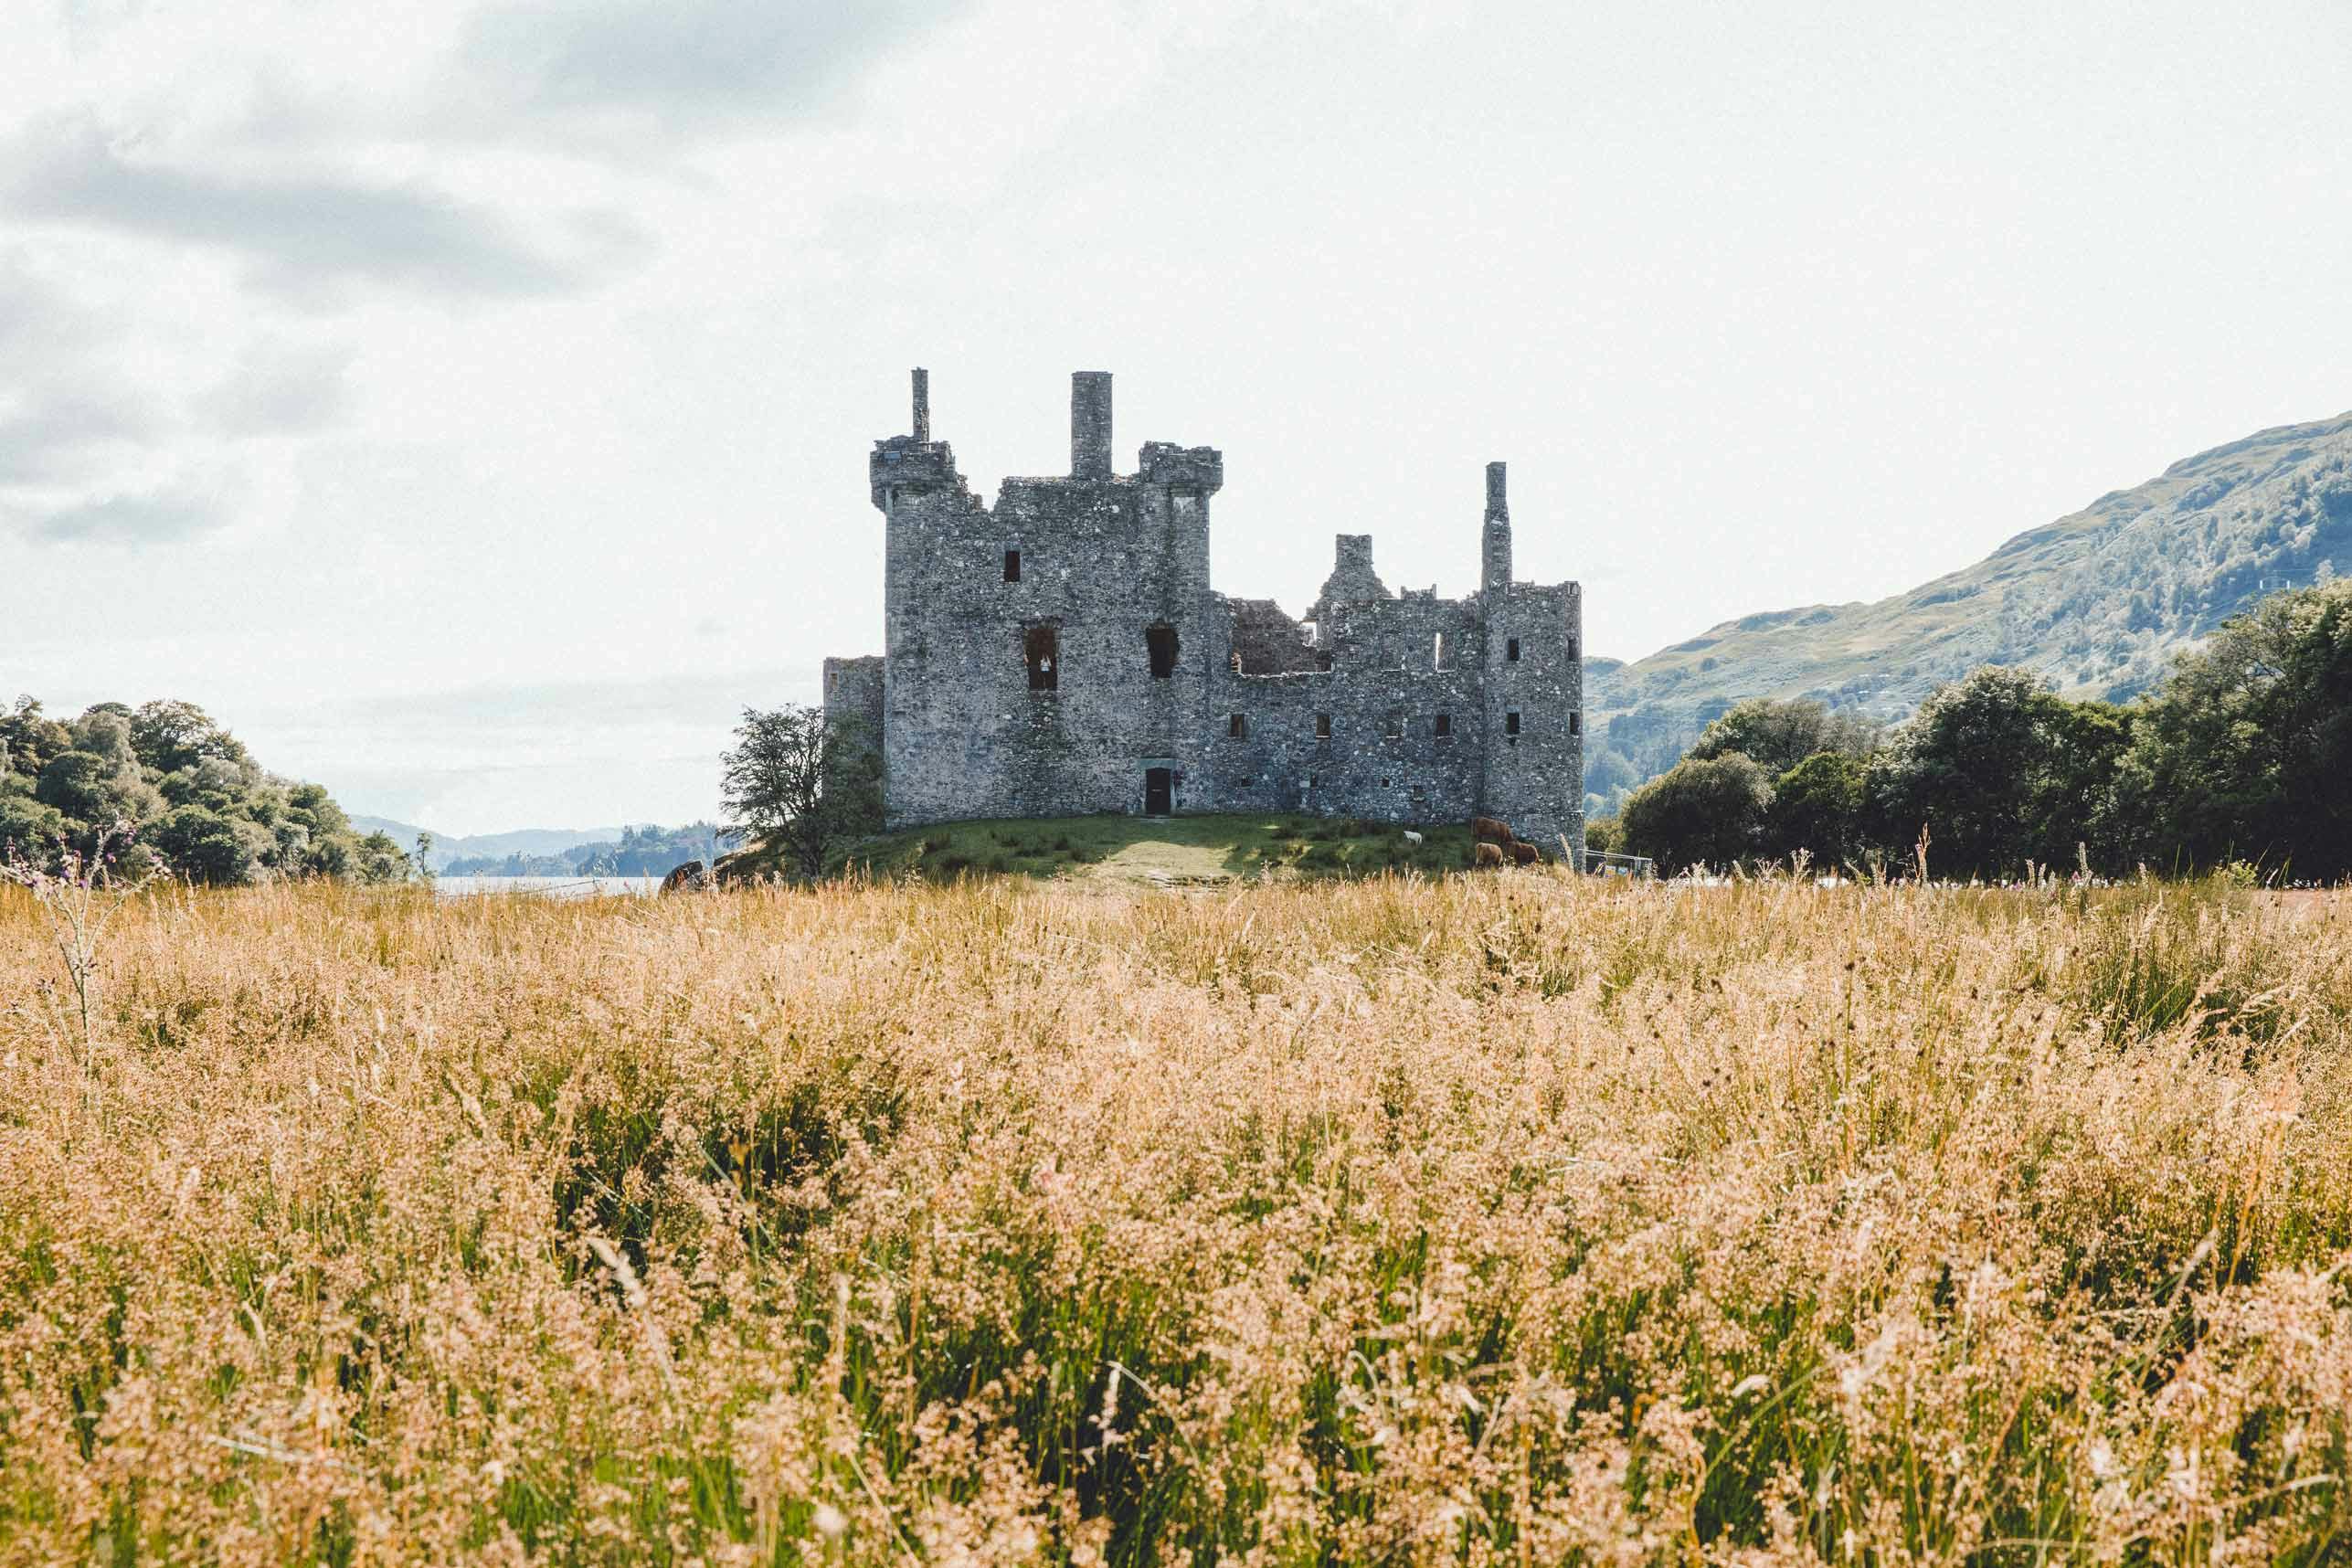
[2099,601]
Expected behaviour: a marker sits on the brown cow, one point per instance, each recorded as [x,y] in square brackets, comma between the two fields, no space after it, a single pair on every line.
[1487,831]
[1522,854]
[1486,856]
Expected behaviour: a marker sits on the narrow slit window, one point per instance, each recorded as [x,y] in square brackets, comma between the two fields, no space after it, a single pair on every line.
[1238,725]
[1160,641]
[1437,650]
[1575,723]
[1572,647]
[1013,566]
[1041,647]
[1510,650]
[1394,729]
[1443,728]
[1510,722]
[1322,726]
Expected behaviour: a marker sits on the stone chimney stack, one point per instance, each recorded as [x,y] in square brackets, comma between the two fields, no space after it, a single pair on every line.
[1494,558]
[1090,424]
[922,405]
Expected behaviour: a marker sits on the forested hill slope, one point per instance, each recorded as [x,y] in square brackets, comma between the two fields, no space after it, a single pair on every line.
[2099,601]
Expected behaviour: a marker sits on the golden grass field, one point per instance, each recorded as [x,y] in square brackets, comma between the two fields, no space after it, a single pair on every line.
[1493,1220]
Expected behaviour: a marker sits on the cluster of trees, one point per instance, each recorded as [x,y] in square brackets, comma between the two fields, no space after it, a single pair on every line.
[195,802]
[645,850]
[2242,753]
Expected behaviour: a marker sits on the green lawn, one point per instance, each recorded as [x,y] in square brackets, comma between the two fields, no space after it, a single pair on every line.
[1162,849]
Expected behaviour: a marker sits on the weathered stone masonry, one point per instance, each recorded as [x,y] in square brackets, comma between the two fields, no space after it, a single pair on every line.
[1062,653]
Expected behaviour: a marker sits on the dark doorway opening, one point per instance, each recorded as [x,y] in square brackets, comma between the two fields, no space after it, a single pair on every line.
[1040,646]
[1160,641]
[1013,566]
[1158,793]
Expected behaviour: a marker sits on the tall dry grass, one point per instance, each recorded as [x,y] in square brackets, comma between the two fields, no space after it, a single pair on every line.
[1497,1220]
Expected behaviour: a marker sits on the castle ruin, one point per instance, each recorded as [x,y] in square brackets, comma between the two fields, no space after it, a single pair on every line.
[1062,653]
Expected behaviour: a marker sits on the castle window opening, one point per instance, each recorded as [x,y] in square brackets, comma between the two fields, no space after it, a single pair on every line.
[1395,728]
[1235,661]
[1237,727]
[1510,651]
[1160,641]
[1572,647]
[1443,728]
[1437,650]
[1041,647]
[1013,566]
[1510,722]
[1575,723]
[1322,726]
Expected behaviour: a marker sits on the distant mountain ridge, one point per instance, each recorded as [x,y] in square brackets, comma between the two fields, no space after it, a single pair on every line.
[519,841]
[2100,602]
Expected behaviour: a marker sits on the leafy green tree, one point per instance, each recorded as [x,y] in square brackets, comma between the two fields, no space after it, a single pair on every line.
[105,731]
[311,806]
[798,784]
[29,738]
[222,786]
[1702,812]
[1999,771]
[1818,806]
[96,790]
[2245,751]
[173,736]
[1780,735]
[29,830]
[376,859]
[202,844]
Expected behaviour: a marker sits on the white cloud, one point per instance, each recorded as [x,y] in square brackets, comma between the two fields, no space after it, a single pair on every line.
[156,518]
[304,236]
[279,388]
[680,66]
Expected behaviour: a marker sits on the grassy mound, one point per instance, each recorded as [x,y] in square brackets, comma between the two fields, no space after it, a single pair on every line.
[1203,849]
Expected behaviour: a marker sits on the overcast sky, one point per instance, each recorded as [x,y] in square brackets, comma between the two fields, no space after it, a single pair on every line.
[469,403]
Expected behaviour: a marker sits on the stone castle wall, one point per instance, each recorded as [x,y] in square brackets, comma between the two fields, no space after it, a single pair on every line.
[1063,652]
